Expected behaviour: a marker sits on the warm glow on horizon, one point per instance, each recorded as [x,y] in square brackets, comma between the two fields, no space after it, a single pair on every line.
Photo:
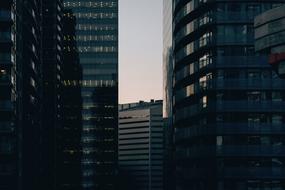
[140,53]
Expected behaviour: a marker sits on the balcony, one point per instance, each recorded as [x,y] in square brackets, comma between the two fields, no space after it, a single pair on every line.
[253,84]
[247,106]
[261,173]
[241,61]
[231,150]
[238,172]
[232,17]
[229,129]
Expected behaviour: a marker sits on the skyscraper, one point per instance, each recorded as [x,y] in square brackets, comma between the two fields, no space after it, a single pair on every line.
[228,117]
[167,93]
[27,144]
[167,58]
[97,44]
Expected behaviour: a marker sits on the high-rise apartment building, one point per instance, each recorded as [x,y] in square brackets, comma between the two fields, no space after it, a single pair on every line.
[97,45]
[228,115]
[141,146]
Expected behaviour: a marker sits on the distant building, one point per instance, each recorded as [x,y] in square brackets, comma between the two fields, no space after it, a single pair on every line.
[141,145]
[270,37]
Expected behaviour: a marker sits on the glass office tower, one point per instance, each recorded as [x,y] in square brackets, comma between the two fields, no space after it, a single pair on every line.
[97,45]
[167,93]
[228,104]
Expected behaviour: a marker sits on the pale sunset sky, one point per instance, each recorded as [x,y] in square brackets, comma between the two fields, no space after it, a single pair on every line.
[140,50]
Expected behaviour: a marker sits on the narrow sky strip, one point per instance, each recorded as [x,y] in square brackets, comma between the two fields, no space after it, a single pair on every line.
[140,33]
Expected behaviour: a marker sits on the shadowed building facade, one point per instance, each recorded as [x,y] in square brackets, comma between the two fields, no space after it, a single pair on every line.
[51,72]
[8,101]
[27,147]
[97,45]
[228,103]
[70,149]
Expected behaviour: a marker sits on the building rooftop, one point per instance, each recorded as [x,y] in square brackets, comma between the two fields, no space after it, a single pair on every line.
[139,105]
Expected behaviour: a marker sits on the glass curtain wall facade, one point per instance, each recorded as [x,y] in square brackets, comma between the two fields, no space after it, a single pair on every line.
[167,92]
[167,58]
[228,104]
[97,44]
[270,38]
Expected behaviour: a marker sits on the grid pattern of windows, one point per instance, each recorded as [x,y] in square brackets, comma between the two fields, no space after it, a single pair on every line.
[97,45]
[225,98]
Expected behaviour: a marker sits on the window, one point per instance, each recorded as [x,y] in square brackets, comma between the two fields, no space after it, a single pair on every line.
[234,7]
[219,141]
[254,96]
[231,74]
[277,119]
[253,74]
[190,90]
[5,56]
[205,60]
[4,76]
[204,101]
[276,97]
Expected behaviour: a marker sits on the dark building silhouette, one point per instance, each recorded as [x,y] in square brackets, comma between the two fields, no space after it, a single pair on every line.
[29,109]
[8,99]
[70,176]
[29,88]
[97,45]
[228,103]
[51,71]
